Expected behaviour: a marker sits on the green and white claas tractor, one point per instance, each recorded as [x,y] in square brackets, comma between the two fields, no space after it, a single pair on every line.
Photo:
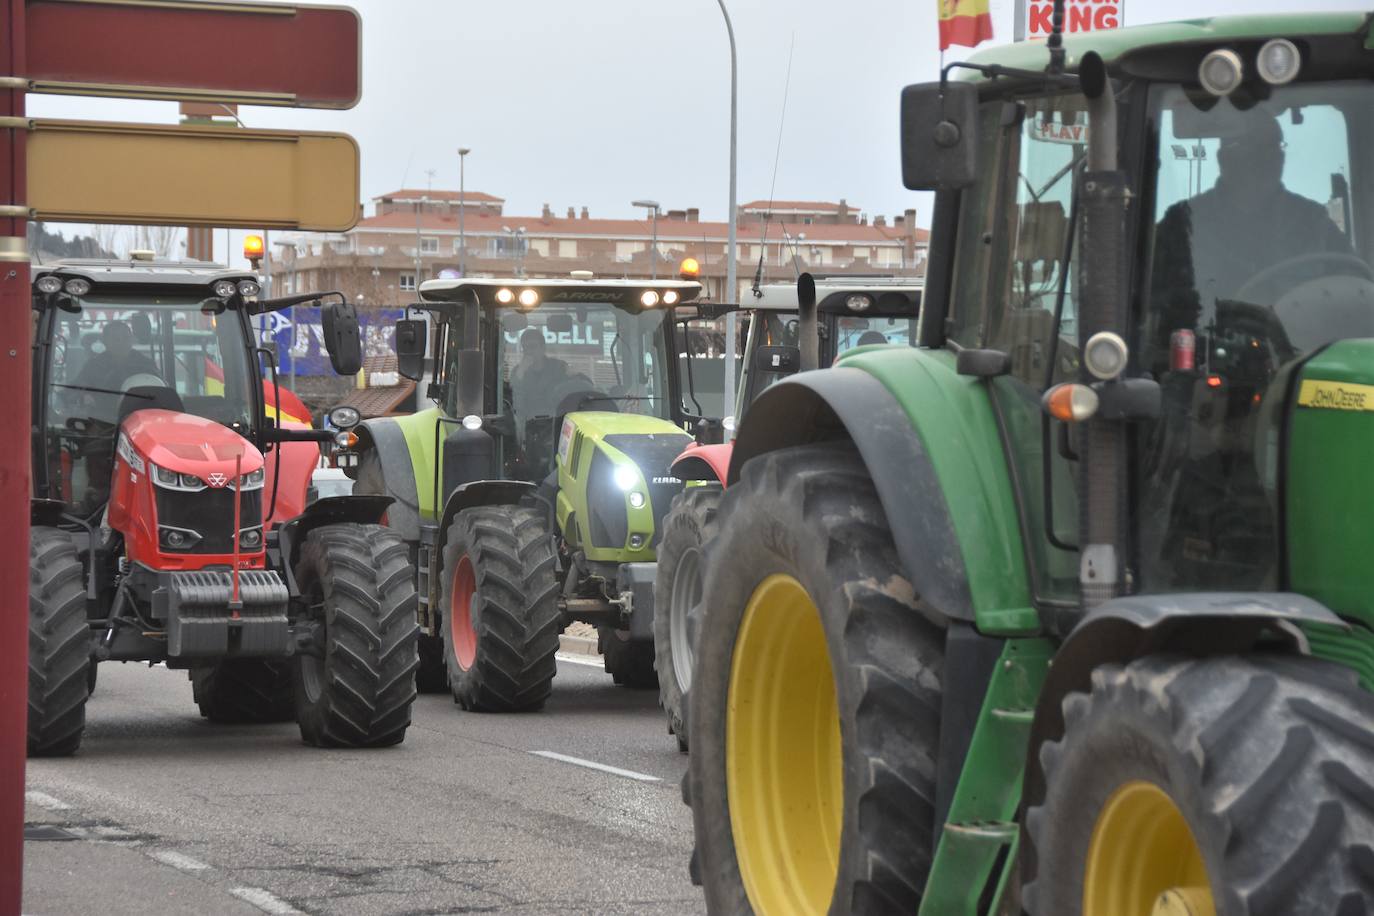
[1070,609]
[532,493]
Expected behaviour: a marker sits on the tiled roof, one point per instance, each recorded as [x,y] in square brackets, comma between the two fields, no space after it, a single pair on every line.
[809,206]
[378,402]
[668,230]
[380,362]
[466,196]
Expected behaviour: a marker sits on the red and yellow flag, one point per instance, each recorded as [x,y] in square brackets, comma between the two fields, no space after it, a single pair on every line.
[964,22]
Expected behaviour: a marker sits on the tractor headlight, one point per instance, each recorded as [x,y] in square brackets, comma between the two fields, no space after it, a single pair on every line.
[77,286]
[253,480]
[625,477]
[472,421]
[1278,62]
[529,298]
[1220,72]
[670,297]
[250,539]
[249,288]
[171,480]
[49,284]
[636,499]
[225,289]
[648,299]
[858,303]
[1105,355]
[170,538]
[344,417]
[637,541]
[505,296]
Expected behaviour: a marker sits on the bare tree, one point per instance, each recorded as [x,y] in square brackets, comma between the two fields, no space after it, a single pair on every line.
[111,238]
[161,240]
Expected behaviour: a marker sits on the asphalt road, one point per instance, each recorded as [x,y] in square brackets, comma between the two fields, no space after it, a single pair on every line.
[173,814]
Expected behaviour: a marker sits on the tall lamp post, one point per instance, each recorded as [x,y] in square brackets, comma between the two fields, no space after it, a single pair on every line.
[651,205]
[424,202]
[462,203]
[731,254]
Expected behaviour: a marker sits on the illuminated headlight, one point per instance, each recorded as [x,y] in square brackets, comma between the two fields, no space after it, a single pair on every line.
[626,477]
[176,538]
[1278,62]
[49,284]
[636,499]
[225,289]
[670,297]
[1105,355]
[728,424]
[472,421]
[253,480]
[171,480]
[648,298]
[1220,72]
[249,288]
[505,296]
[528,298]
[344,417]
[250,539]
[637,541]
[77,286]
[858,303]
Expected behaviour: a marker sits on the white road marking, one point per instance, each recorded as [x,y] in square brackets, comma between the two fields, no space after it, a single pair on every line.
[591,661]
[44,800]
[265,901]
[178,860]
[593,765]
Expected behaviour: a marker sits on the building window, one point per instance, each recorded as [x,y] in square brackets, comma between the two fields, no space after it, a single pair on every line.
[806,220]
[429,245]
[408,282]
[567,248]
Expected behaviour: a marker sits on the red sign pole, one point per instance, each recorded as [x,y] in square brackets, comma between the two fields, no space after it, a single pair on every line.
[15,344]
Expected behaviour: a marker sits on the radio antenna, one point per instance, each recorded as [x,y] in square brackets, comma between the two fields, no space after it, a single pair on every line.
[777,156]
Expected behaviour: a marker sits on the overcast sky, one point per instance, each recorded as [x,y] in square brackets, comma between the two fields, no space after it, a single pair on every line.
[601,102]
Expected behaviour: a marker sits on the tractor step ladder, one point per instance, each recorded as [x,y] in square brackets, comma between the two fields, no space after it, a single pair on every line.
[981,834]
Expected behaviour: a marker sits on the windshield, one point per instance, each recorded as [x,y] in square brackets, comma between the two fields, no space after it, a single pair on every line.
[564,358]
[1260,233]
[119,354]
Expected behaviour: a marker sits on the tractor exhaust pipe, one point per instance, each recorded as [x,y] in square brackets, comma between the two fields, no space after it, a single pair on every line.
[808,335]
[1105,199]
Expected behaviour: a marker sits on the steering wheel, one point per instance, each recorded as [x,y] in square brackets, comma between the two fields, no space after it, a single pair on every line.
[1266,275]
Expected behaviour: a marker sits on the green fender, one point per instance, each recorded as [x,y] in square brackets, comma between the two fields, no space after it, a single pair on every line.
[406,448]
[930,441]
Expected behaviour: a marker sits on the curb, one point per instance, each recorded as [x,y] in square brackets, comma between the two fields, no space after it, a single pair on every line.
[577,645]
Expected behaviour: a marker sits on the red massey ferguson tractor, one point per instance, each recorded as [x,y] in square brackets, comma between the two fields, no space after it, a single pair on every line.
[169,517]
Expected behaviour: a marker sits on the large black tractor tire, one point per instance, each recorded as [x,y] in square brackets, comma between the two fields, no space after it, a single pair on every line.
[432,675]
[688,526]
[360,585]
[245,690]
[629,662]
[498,606]
[815,702]
[59,645]
[1251,779]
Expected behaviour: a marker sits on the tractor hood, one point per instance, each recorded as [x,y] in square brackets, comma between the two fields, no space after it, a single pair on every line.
[189,444]
[616,482]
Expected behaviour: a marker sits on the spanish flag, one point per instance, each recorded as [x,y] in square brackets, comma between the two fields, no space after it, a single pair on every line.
[964,22]
[283,404]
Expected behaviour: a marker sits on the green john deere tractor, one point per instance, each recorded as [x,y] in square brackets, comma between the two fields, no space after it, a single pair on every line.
[1070,609]
[532,494]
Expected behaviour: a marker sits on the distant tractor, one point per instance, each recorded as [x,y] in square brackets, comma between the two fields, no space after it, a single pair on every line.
[1069,610]
[169,516]
[849,312]
[533,493]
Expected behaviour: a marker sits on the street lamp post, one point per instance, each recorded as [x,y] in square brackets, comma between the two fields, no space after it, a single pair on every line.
[731,249]
[462,203]
[651,205]
[424,202]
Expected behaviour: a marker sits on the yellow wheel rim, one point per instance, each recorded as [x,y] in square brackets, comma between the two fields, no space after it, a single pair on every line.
[1143,859]
[783,766]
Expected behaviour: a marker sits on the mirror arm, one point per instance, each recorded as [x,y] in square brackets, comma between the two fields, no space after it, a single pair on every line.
[262,306]
[1063,80]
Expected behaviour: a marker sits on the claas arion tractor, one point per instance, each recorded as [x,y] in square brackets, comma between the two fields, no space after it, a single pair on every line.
[1069,609]
[169,517]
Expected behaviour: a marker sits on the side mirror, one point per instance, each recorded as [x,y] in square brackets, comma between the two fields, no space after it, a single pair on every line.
[783,360]
[410,348]
[939,136]
[342,340]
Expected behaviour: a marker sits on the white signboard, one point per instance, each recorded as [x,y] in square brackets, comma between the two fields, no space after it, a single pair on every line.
[1034,17]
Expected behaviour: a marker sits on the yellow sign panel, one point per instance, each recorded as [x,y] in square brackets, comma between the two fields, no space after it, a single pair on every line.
[1336,395]
[192,175]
